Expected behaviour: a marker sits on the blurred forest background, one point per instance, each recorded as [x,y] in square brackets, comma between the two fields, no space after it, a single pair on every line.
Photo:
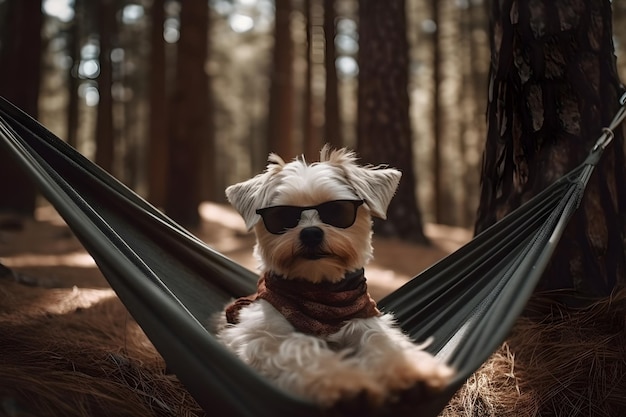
[179,99]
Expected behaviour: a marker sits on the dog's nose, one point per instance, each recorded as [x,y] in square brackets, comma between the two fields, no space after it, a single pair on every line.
[311,236]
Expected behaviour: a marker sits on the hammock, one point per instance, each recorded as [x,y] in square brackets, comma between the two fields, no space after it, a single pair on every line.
[171,282]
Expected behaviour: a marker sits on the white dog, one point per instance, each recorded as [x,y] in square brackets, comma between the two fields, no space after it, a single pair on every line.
[312,327]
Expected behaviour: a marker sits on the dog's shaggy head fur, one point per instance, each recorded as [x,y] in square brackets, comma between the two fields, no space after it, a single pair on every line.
[336,176]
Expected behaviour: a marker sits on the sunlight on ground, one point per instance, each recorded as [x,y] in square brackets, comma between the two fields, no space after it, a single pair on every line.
[36,301]
[68,302]
[448,238]
[47,213]
[222,214]
[382,281]
[75,259]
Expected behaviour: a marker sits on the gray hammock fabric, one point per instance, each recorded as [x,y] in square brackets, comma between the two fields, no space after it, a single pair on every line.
[171,282]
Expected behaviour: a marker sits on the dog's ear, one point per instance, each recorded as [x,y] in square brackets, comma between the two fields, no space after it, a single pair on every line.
[376,185]
[248,196]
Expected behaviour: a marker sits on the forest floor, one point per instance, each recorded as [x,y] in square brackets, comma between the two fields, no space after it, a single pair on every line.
[58,279]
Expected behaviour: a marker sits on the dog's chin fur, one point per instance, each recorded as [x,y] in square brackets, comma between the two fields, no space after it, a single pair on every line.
[369,355]
[342,251]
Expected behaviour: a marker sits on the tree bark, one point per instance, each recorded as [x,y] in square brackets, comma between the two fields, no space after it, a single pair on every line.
[332,121]
[158,123]
[437,116]
[309,137]
[383,124]
[19,83]
[73,83]
[553,87]
[104,126]
[189,110]
[280,119]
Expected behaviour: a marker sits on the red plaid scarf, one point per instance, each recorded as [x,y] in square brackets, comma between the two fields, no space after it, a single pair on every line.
[318,309]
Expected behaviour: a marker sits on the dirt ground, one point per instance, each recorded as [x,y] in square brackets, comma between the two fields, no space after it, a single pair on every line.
[58,288]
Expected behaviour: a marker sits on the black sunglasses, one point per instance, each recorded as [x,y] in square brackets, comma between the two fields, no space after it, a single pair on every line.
[338,213]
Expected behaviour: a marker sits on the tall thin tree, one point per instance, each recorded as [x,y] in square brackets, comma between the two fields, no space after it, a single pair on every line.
[189,115]
[383,125]
[105,135]
[19,82]
[280,118]
[438,204]
[309,136]
[74,47]
[158,146]
[332,120]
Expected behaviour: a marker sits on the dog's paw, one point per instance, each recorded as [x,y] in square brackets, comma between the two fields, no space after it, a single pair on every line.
[416,366]
[340,385]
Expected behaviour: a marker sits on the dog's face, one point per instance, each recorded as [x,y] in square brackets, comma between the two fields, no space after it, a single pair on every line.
[313,221]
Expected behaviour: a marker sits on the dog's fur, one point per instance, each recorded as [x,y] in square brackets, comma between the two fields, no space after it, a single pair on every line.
[369,355]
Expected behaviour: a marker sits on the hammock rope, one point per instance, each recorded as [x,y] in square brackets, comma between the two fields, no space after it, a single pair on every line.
[171,282]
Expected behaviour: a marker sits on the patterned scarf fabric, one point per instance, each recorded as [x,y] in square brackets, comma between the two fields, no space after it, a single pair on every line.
[318,309]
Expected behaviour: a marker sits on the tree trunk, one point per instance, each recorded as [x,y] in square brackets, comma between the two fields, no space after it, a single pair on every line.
[74,47]
[104,126]
[189,110]
[332,122]
[383,124]
[209,188]
[19,83]
[311,145]
[553,87]
[158,123]
[437,116]
[472,104]
[280,119]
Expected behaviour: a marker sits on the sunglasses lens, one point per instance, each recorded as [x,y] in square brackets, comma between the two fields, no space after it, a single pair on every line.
[340,213]
[280,218]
